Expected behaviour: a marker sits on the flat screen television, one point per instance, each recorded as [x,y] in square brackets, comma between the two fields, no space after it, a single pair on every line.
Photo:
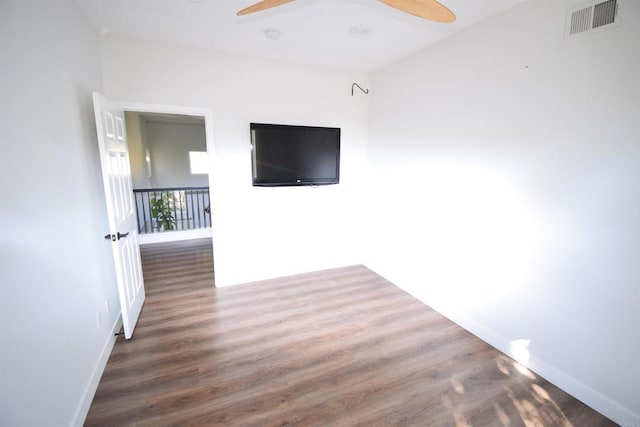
[284,155]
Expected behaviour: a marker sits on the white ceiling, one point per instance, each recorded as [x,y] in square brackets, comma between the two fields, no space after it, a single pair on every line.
[312,31]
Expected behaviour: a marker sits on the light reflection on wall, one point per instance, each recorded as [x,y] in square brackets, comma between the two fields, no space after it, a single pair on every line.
[520,351]
[473,235]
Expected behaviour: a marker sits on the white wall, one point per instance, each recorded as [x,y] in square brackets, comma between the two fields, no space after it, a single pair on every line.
[258,232]
[56,269]
[169,145]
[509,163]
[137,150]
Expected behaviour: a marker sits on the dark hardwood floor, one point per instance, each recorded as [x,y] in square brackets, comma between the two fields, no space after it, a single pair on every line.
[341,347]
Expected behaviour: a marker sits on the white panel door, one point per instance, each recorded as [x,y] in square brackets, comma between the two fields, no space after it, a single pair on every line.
[121,210]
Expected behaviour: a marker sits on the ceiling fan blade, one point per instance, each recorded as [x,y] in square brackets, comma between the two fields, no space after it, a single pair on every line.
[262,5]
[427,9]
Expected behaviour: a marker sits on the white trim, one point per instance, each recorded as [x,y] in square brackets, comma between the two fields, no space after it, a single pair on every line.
[82,410]
[584,393]
[173,236]
[613,410]
[575,388]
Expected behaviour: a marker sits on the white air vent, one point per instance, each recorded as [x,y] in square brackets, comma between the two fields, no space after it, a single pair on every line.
[591,16]
[581,20]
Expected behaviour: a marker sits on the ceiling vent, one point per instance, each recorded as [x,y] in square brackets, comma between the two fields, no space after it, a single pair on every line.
[592,16]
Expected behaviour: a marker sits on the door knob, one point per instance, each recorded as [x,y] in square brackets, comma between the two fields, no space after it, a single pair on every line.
[114,237]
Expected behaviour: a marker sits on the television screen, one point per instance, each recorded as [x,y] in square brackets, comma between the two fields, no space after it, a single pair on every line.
[294,155]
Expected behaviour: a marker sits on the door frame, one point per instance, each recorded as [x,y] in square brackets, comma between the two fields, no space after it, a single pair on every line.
[207,113]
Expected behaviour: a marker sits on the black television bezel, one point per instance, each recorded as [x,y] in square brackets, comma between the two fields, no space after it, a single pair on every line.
[298,182]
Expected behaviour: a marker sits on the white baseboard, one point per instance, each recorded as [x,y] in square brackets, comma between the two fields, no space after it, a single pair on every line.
[173,236]
[592,398]
[575,388]
[90,391]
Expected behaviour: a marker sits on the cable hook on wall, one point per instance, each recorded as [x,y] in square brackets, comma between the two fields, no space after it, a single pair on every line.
[365,91]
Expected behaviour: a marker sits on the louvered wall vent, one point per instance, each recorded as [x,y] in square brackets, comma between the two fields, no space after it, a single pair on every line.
[592,16]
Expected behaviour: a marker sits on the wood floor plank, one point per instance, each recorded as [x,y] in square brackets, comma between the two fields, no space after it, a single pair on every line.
[341,347]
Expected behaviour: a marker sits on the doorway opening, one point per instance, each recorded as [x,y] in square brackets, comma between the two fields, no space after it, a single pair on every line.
[170,176]
[171,155]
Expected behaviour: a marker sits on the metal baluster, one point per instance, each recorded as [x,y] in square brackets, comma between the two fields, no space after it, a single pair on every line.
[179,209]
[206,193]
[149,225]
[187,196]
[144,213]
[190,212]
[155,195]
[135,198]
[198,200]
[175,214]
